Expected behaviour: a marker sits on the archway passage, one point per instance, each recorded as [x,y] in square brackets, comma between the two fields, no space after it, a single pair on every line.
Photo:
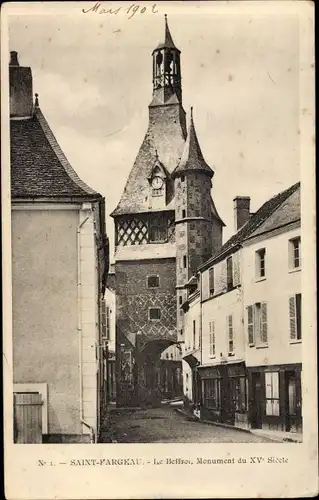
[158,379]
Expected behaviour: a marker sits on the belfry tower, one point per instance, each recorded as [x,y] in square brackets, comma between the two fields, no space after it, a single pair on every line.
[147,252]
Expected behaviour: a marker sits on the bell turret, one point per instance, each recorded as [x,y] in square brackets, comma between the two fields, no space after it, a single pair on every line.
[167,69]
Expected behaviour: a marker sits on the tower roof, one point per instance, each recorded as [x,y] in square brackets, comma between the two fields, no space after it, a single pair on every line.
[192,158]
[168,40]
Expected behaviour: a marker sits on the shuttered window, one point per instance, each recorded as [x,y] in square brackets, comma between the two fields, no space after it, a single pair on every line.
[211,282]
[230,334]
[263,324]
[229,266]
[257,324]
[105,320]
[295,316]
[250,322]
[212,341]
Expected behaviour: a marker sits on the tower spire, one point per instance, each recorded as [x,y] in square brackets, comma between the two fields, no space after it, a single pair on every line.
[168,37]
[192,157]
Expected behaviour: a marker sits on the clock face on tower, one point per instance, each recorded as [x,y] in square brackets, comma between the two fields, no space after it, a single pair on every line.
[157,182]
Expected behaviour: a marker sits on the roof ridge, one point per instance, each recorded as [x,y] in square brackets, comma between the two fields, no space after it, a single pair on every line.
[239,237]
[60,155]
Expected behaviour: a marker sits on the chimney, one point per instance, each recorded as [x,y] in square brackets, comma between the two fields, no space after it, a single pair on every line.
[241,211]
[21,93]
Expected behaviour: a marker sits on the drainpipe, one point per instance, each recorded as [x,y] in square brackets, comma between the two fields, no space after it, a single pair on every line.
[79,328]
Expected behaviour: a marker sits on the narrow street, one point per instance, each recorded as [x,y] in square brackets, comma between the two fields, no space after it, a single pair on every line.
[166,425]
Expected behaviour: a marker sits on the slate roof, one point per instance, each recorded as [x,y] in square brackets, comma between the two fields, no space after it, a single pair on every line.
[165,138]
[269,210]
[192,158]
[168,41]
[39,168]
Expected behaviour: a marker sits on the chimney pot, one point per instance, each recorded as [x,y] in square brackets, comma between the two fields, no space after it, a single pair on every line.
[241,211]
[14,58]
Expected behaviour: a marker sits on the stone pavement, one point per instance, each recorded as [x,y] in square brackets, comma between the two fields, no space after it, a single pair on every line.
[165,425]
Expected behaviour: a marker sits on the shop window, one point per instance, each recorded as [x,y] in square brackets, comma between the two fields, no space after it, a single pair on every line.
[153,281]
[294,253]
[238,392]
[261,263]
[212,340]
[295,316]
[212,393]
[272,393]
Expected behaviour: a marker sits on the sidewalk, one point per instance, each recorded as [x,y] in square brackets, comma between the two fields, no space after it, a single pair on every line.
[279,436]
[275,436]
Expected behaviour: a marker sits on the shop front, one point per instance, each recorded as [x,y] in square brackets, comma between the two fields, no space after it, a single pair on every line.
[275,397]
[224,393]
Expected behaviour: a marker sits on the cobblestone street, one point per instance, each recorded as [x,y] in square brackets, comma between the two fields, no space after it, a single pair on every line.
[165,425]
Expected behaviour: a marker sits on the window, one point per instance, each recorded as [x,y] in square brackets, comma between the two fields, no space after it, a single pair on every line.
[238,393]
[180,300]
[154,313]
[158,229]
[183,214]
[184,261]
[194,333]
[257,324]
[261,263]
[212,340]
[229,264]
[182,178]
[211,281]
[211,389]
[153,281]
[295,317]
[230,334]
[272,393]
[295,253]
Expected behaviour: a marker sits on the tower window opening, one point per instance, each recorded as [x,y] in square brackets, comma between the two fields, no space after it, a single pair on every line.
[182,178]
[184,261]
[153,281]
[183,214]
[158,229]
[154,313]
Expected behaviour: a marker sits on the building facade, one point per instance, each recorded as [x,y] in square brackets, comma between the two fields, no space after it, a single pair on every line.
[250,367]
[166,225]
[272,319]
[59,268]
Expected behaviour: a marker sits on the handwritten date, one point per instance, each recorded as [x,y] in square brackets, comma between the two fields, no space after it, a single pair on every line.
[129,11]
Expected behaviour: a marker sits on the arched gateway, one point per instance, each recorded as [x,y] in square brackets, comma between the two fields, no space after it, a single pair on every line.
[166,225]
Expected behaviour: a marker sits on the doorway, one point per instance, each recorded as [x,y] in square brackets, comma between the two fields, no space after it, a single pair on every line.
[291,400]
[257,393]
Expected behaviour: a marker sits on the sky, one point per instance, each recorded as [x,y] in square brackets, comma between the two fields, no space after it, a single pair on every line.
[240,72]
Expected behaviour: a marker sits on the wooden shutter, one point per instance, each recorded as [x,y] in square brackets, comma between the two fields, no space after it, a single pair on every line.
[298,315]
[292,318]
[230,334]
[103,319]
[211,281]
[263,333]
[250,322]
[212,338]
